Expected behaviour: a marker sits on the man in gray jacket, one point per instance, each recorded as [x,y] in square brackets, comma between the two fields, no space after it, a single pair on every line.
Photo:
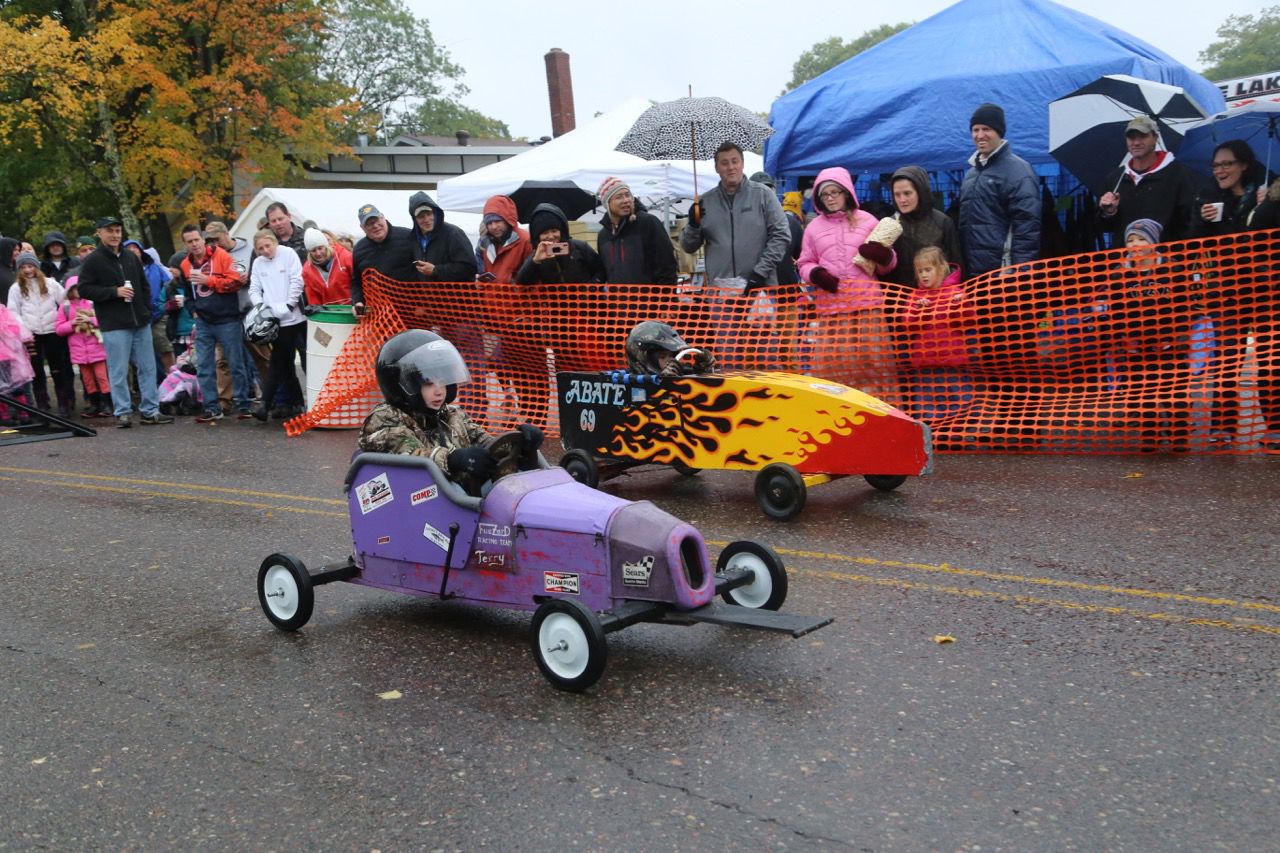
[740,224]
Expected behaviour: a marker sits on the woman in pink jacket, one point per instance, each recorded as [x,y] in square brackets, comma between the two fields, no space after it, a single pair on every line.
[78,323]
[854,345]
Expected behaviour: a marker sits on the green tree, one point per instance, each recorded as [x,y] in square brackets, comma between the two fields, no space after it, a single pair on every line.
[1246,45]
[826,55]
[445,117]
[388,59]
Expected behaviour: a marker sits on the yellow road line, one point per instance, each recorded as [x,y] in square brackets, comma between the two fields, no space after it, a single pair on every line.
[946,568]
[172,485]
[179,496]
[830,575]
[1050,602]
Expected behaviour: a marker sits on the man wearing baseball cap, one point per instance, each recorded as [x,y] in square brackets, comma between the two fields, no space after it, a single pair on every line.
[112,278]
[386,248]
[1148,184]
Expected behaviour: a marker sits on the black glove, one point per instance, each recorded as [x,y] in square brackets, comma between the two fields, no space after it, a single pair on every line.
[754,280]
[310,309]
[877,254]
[474,463]
[821,278]
[532,437]
[695,214]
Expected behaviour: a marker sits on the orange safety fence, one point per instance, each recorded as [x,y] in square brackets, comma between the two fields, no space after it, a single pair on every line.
[1170,347]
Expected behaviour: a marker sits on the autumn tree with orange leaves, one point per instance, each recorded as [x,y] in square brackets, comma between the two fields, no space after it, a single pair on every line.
[154,106]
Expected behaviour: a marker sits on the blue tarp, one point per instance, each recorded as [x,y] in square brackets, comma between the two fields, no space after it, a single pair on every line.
[908,99]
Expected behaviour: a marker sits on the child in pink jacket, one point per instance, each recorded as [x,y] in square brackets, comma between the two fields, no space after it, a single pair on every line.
[853,343]
[77,323]
[935,319]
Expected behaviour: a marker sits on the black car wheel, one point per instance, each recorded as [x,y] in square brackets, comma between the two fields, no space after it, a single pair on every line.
[780,491]
[582,467]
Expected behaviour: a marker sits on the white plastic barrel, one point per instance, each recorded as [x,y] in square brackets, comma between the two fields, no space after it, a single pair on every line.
[327,331]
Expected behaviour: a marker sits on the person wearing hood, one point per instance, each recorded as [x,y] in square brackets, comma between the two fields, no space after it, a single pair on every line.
[384,248]
[556,258]
[57,264]
[632,243]
[9,249]
[441,251]
[158,279]
[999,200]
[847,297]
[922,224]
[1149,184]
[504,246]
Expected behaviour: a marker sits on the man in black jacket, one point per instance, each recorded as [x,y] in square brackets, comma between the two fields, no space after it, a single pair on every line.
[386,248]
[441,251]
[114,281]
[1150,184]
[632,243]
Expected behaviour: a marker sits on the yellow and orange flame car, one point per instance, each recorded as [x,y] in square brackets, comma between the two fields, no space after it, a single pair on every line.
[796,431]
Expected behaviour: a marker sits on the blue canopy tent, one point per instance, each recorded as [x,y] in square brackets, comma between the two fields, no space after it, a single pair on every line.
[908,99]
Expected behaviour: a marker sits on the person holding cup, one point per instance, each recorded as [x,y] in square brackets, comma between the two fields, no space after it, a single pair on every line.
[112,278]
[1225,208]
[1231,291]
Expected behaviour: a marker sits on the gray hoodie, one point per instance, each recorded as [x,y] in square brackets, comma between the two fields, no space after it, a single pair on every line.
[743,233]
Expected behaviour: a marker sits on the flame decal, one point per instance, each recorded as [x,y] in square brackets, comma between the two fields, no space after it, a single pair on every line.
[746,421]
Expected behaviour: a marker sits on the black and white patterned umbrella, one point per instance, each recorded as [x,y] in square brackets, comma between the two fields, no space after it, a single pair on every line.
[692,129]
[1086,127]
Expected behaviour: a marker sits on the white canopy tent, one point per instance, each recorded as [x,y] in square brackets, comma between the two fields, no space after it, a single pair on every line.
[586,156]
[335,209]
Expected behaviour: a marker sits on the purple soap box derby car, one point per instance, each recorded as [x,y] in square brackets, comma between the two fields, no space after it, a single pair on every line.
[585,562]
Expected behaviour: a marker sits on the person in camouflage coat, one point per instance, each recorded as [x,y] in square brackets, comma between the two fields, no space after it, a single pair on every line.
[434,435]
[419,373]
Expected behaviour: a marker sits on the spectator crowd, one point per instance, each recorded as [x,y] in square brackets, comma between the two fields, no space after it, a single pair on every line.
[219,329]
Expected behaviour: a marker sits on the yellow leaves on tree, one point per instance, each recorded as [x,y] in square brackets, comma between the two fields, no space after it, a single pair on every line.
[194,91]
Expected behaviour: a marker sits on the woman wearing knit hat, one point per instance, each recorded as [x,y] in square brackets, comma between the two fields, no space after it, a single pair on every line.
[632,243]
[34,299]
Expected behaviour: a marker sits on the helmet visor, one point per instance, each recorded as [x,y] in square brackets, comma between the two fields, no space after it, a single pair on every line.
[434,361]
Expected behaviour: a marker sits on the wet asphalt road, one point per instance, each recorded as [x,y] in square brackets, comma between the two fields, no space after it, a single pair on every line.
[1112,683]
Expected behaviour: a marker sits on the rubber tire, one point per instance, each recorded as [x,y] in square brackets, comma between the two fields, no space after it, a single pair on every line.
[287,576]
[685,470]
[769,589]
[885,482]
[780,491]
[562,620]
[582,467]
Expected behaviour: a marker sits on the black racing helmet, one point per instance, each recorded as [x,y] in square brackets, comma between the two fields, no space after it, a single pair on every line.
[410,360]
[648,338]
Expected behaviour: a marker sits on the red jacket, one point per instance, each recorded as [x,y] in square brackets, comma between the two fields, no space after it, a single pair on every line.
[223,277]
[504,261]
[335,291]
[936,320]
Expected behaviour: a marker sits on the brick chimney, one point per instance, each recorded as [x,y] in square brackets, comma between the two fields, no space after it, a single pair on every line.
[560,91]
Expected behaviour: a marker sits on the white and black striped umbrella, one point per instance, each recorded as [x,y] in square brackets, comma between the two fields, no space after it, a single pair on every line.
[1086,127]
[692,129]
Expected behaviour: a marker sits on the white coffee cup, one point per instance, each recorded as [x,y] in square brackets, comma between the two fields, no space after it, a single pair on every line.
[1217,211]
[180,298]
